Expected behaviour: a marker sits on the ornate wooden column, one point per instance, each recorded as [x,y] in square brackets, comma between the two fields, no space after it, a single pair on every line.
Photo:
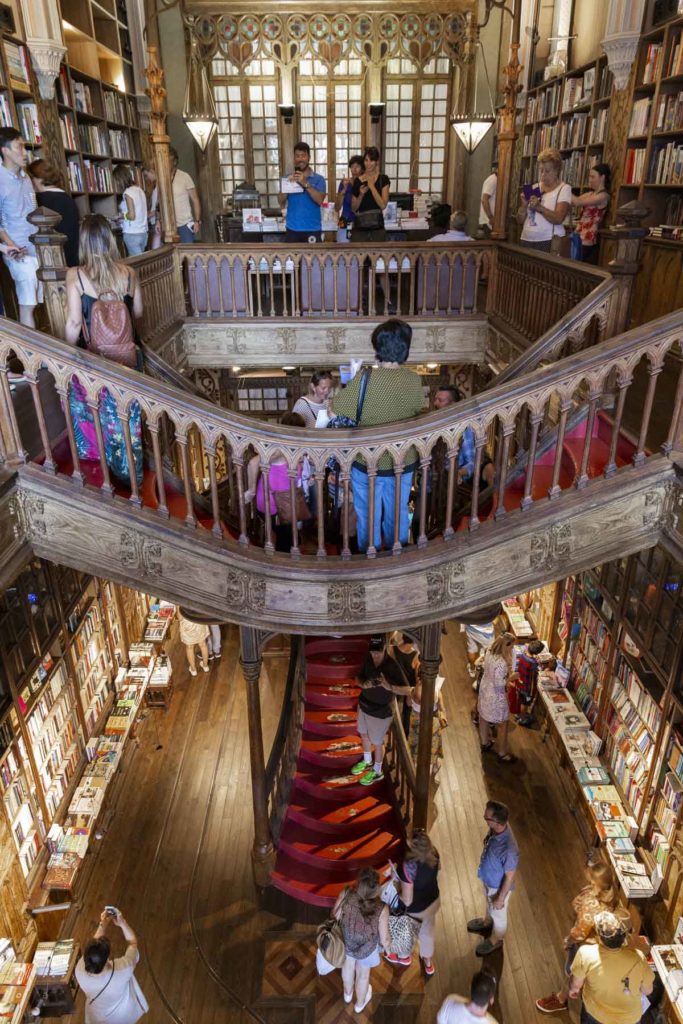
[628,235]
[262,852]
[52,267]
[429,669]
[160,143]
[507,134]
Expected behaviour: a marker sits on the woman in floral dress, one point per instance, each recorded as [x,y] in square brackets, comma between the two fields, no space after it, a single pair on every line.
[493,698]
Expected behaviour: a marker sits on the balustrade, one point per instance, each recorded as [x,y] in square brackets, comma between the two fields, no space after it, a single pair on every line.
[279,771]
[400,767]
[597,378]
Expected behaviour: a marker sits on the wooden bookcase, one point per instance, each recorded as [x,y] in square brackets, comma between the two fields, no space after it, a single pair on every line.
[653,149]
[569,113]
[57,674]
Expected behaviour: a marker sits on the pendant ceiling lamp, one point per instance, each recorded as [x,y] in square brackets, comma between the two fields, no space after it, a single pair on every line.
[471,128]
[199,109]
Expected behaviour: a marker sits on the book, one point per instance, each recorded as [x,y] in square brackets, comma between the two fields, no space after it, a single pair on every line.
[600,775]
[612,829]
[606,811]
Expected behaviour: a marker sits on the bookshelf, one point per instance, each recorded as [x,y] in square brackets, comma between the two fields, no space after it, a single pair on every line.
[19,805]
[653,149]
[569,113]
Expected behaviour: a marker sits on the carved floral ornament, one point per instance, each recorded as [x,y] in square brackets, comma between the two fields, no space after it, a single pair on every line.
[374,37]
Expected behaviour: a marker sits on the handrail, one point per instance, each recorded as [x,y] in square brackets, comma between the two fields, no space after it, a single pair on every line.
[400,767]
[544,308]
[513,409]
[284,751]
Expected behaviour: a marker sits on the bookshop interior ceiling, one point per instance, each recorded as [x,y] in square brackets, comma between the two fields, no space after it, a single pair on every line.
[374,38]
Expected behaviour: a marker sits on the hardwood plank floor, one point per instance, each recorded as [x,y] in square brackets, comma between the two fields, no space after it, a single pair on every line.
[176,858]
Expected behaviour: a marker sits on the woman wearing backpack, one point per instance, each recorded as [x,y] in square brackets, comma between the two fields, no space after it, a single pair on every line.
[99,292]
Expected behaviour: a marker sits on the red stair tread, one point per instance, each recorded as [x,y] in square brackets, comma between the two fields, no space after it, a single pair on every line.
[340,786]
[320,876]
[308,892]
[329,665]
[326,723]
[357,645]
[340,818]
[350,853]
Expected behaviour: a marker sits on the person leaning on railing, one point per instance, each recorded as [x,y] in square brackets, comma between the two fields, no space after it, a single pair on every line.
[545,205]
[278,481]
[393,393]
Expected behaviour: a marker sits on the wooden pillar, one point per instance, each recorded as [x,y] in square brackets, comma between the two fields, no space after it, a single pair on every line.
[160,144]
[628,235]
[52,267]
[507,134]
[262,853]
[289,126]
[429,669]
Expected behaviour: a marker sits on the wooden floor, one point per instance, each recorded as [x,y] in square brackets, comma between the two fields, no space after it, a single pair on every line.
[176,859]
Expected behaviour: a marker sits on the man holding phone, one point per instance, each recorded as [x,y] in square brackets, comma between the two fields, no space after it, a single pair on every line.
[303,218]
[17,200]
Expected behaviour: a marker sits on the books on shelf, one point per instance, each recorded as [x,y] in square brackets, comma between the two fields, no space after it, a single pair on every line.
[115,108]
[598,128]
[62,88]
[82,98]
[5,111]
[61,871]
[52,959]
[653,59]
[68,130]
[93,140]
[98,178]
[666,164]
[670,112]
[640,117]
[634,166]
[18,65]
[573,95]
[119,141]
[75,173]
[669,963]
[574,131]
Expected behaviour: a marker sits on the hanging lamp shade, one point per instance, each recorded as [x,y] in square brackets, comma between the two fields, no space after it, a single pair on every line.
[471,128]
[199,110]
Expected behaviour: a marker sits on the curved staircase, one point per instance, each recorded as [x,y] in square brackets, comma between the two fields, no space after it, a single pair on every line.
[333,826]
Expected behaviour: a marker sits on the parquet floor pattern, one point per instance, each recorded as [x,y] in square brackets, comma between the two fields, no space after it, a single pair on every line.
[176,859]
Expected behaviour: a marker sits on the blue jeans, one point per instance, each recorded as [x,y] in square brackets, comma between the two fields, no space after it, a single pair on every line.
[135,242]
[186,234]
[384,508]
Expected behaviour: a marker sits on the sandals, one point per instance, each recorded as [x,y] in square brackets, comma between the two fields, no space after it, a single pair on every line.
[507,758]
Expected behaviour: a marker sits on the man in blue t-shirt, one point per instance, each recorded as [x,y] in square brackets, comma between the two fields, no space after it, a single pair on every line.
[497,869]
[303,208]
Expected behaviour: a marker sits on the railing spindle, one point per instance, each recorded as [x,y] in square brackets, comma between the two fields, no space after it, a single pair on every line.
[162,508]
[527,500]
[508,429]
[271,286]
[555,488]
[450,493]
[294,549]
[190,517]
[398,474]
[239,470]
[48,462]
[217,528]
[268,547]
[19,451]
[476,475]
[582,478]
[371,549]
[674,435]
[623,383]
[63,392]
[345,482]
[134,499]
[319,480]
[94,407]
[654,370]
[426,467]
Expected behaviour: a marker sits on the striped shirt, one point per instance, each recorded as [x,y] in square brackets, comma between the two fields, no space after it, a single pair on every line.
[392,394]
[17,199]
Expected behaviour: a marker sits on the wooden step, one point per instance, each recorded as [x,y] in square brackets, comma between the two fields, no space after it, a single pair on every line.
[335,753]
[338,857]
[342,819]
[332,722]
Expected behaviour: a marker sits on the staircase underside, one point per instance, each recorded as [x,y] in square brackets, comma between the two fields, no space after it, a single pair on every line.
[49,517]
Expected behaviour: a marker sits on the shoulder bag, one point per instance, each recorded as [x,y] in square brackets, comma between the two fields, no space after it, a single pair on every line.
[91,1001]
[347,423]
[330,939]
[404,931]
[283,504]
[560,244]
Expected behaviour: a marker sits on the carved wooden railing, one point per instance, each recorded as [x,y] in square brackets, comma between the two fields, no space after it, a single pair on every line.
[334,281]
[542,308]
[598,377]
[279,772]
[400,767]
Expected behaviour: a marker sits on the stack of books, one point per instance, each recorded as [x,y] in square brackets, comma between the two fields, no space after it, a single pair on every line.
[669,963]
[632,875]
[16,984]
[52,959]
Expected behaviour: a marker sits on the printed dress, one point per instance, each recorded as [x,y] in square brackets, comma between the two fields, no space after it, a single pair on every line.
[112,430]
[493,700]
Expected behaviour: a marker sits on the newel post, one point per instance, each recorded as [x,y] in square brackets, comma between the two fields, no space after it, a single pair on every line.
[628,235]
[52,267]
[429,669]
[262,853]
[160,144]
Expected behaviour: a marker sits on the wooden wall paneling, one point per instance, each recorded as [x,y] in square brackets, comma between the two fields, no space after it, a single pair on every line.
[661,262]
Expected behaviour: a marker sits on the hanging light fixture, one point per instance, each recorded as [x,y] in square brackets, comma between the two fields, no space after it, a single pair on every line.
[471,128]
[199,109]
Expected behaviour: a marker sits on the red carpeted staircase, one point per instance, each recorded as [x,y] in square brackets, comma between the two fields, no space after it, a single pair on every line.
[333,826]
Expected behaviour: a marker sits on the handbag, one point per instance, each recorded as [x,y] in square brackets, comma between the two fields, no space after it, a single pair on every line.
[403,930]
[368,220]
[329,938]
[346,422]
[283,504]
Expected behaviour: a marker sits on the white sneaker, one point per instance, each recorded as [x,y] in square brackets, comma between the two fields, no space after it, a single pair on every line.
[348,999]
[205,668]
[193,671]
[358,1008]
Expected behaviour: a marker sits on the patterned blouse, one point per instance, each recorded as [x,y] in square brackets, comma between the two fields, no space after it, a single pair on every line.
[589,222]
[586,905]
[361,934]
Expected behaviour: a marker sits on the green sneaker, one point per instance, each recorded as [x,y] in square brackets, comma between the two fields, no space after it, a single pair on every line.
[359,768]
[370,777]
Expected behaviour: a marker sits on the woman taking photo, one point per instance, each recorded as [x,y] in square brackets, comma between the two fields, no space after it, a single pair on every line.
[593,206]
[316,401]
[418,889]
[101,271]
[542,215]
[600,894]
[364,921]
[492,704]
[370,197]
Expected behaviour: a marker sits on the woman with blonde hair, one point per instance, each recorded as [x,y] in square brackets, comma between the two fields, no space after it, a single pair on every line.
[545,205]
[418,888]
[492,704]
[364,921]
[599,895]
[101,273]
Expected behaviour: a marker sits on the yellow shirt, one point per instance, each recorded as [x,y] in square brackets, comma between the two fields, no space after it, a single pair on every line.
[612,980]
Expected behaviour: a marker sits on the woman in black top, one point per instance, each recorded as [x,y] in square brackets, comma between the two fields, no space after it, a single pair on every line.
[370,197]
[47,181]
[418,888]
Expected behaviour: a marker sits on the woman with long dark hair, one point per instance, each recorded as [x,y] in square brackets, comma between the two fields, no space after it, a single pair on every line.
[364,921]
[418,888]
[593,205]
[370,198]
